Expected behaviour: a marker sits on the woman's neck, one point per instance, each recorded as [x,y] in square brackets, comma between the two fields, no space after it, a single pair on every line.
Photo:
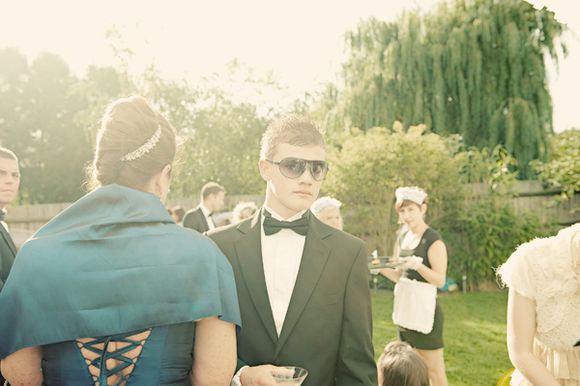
[419,228]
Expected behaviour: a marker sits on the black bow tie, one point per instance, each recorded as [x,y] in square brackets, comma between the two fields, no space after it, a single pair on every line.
[272,226]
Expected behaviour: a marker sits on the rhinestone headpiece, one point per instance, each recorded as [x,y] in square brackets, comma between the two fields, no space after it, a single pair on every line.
[145,148]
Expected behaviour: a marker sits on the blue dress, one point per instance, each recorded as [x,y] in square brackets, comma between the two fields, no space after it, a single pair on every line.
[113,265]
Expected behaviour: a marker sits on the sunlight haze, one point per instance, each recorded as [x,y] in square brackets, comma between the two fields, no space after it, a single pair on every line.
[301,43]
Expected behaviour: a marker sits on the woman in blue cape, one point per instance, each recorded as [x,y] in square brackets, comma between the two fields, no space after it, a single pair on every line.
[112,291]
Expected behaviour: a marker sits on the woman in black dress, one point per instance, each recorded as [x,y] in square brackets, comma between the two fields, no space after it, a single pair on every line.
[425,260]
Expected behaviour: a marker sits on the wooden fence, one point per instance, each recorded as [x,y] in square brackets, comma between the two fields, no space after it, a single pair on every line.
[531,198]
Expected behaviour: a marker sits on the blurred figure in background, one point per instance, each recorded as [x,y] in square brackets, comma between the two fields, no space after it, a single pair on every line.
[9,183]
[212,200]
[243,210]
[178,213]
[327,210]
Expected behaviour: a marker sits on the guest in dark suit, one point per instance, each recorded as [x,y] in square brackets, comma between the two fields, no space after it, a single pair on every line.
[212,200]
[9,183]
[302,285]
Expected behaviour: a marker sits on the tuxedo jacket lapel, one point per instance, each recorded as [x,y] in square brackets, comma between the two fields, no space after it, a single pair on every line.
[314,257]
[8,239]
[249,253]
[202,220]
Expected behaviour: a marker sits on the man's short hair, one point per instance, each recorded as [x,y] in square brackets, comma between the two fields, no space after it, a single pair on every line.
[211,188]
[7,154]
[295,130]
[179,212]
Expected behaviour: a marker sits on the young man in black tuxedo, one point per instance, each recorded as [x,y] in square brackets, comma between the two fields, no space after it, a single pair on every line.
[212,200]
[302,285]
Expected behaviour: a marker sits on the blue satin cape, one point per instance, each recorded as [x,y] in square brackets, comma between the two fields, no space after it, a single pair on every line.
[112,262]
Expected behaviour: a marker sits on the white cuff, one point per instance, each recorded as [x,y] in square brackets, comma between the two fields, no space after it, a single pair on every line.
[236,380]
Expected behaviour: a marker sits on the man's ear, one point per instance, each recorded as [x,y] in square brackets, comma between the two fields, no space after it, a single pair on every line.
[265,169]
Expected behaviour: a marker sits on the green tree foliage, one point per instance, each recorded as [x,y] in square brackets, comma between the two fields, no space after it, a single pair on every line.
[39,126]
[469,193]
[368,167]
[50,119]
[474,68]
[220,136]
[563,171]
[486,229]
[222,144]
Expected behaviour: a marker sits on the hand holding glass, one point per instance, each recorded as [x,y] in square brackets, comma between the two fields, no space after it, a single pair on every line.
[289,375]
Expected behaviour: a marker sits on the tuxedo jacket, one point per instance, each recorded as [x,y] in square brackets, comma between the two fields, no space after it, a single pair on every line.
[7,254]
[328,325]
[195,219]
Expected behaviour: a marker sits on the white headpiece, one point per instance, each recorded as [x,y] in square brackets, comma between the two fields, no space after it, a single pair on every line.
[145,148]
[410,193]
[325,202]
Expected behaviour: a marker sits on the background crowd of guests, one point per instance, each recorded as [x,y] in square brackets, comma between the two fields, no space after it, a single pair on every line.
[133,292]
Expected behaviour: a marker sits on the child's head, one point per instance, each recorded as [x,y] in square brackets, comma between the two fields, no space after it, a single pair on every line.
[400,365]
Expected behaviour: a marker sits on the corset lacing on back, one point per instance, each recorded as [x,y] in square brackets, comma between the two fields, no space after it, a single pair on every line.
[112,359]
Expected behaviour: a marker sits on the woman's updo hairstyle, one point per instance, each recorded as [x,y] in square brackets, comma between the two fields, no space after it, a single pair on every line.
[135,143]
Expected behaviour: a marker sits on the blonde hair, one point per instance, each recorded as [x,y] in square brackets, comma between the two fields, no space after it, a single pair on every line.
[294,130]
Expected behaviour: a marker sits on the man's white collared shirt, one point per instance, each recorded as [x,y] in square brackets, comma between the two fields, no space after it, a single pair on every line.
[281,257]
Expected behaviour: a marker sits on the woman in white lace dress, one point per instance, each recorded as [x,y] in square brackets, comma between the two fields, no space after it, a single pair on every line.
[543,318]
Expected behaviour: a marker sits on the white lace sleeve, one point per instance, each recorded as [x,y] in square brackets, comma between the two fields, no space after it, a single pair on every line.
[517,274]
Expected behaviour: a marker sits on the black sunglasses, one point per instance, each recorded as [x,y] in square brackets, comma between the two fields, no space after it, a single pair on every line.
[295,167]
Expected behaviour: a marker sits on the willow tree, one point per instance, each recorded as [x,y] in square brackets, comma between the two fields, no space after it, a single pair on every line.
[475,68]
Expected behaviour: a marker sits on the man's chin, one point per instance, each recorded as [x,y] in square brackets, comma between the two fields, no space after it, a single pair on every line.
[5,200]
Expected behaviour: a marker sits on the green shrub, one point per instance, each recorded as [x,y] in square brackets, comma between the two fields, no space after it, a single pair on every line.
[563,171]
[366,168]
[484,236]
[469,193]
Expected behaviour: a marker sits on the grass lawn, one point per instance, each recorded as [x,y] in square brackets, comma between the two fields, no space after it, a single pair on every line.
[474,334]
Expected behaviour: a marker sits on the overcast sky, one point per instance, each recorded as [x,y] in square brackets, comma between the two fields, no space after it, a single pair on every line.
[300,41]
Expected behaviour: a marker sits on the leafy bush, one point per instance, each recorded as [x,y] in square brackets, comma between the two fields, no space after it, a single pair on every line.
[469,192]
[484,235]
[366,168]
[563,171]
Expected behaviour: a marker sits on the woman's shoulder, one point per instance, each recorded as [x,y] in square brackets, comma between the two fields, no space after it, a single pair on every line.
[535,265]
[190,247]
[431,235]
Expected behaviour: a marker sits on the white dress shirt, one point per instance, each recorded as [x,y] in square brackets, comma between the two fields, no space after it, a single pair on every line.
[281,257]
[206,213]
